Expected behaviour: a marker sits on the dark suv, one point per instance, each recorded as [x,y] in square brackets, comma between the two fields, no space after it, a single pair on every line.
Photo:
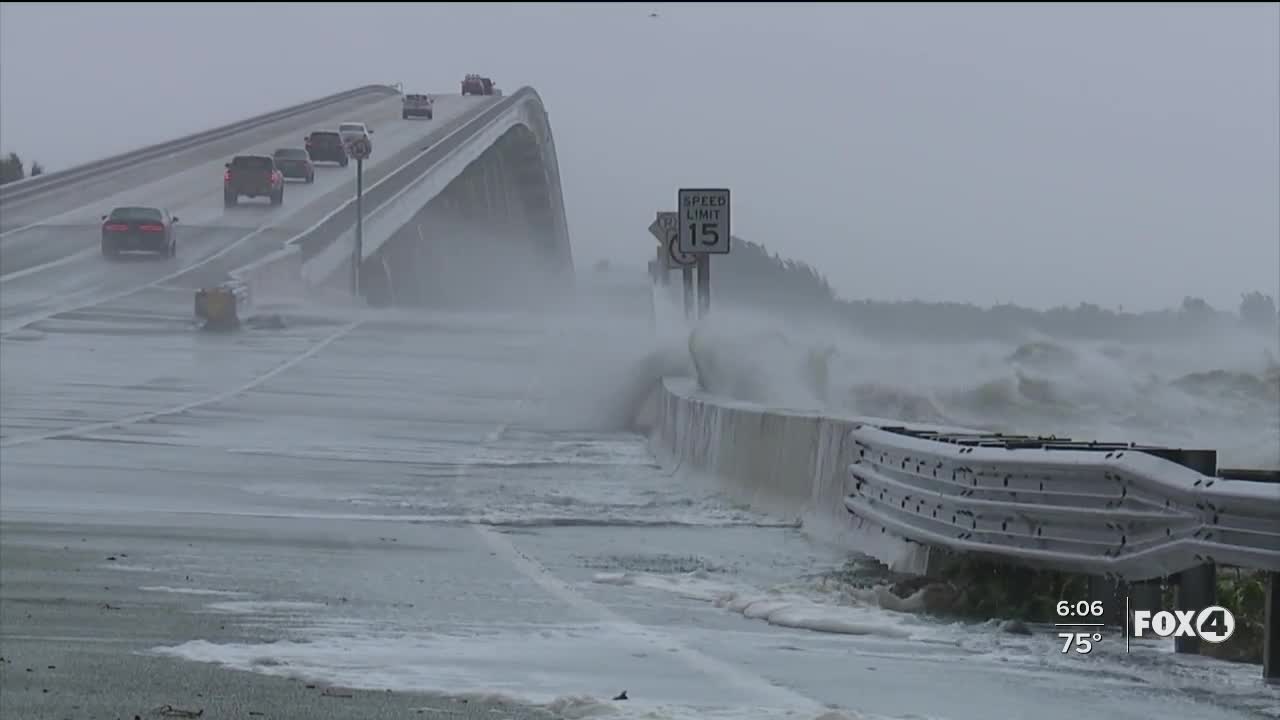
[252,175]
[326,146]
[295,163]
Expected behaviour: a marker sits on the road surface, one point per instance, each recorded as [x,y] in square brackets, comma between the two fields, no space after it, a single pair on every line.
[420,508]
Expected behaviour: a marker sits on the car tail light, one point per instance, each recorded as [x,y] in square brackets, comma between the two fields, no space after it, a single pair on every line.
[152,228]
[117,227]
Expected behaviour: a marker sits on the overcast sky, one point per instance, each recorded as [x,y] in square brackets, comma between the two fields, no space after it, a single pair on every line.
[1038,154]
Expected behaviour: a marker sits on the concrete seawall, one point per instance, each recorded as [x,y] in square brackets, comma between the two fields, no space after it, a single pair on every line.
[785,462]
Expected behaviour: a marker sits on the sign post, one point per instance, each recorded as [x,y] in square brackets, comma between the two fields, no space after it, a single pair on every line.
[359,149]
[664,229]
[703,232]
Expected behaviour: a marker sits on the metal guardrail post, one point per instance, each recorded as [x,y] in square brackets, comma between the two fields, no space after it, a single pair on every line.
[1111,593]
[1271,631]
[1146,595]
[1197,587]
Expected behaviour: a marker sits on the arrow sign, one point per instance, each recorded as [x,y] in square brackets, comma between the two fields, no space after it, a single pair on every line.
[655,229]
[663,223]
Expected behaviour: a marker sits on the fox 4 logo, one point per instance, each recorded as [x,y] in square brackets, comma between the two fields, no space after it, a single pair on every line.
[1213,624]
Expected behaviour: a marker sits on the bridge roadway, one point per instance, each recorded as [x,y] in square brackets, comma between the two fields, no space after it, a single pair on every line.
[434,502]
[49,254]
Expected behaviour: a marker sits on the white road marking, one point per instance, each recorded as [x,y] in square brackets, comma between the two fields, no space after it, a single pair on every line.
[177,409]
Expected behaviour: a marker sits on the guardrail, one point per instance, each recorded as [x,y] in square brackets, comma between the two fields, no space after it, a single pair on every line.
[1131,512]
[1120,514]
[1121,511]
[28,187]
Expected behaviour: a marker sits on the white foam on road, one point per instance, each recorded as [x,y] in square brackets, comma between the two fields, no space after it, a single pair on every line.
[785,609]
[724,673]
[264,607]
[128,568]
[192,591]
[573,671]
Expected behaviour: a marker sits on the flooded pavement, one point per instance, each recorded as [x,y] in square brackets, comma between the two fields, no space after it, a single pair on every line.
[416,508]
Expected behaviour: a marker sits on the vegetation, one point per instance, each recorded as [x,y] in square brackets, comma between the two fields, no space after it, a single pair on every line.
[1244,593]
[751,275]
[988,589]
[12,169]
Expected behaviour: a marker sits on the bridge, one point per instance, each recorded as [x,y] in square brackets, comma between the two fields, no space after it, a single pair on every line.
[476,189]
[468,207]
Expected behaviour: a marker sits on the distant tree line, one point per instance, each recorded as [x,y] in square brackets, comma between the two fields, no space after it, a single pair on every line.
[751,275]
[12,169]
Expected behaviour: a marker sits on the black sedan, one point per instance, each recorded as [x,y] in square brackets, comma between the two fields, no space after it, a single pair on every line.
[139,229]
[295,163]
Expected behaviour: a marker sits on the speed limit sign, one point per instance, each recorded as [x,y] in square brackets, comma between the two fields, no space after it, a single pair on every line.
[703,222]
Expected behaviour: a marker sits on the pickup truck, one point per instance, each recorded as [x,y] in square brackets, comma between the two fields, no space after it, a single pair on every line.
[254,176]
[474,84]
[416,105]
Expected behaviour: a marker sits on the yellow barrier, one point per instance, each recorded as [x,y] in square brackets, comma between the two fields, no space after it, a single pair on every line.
[219,307]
